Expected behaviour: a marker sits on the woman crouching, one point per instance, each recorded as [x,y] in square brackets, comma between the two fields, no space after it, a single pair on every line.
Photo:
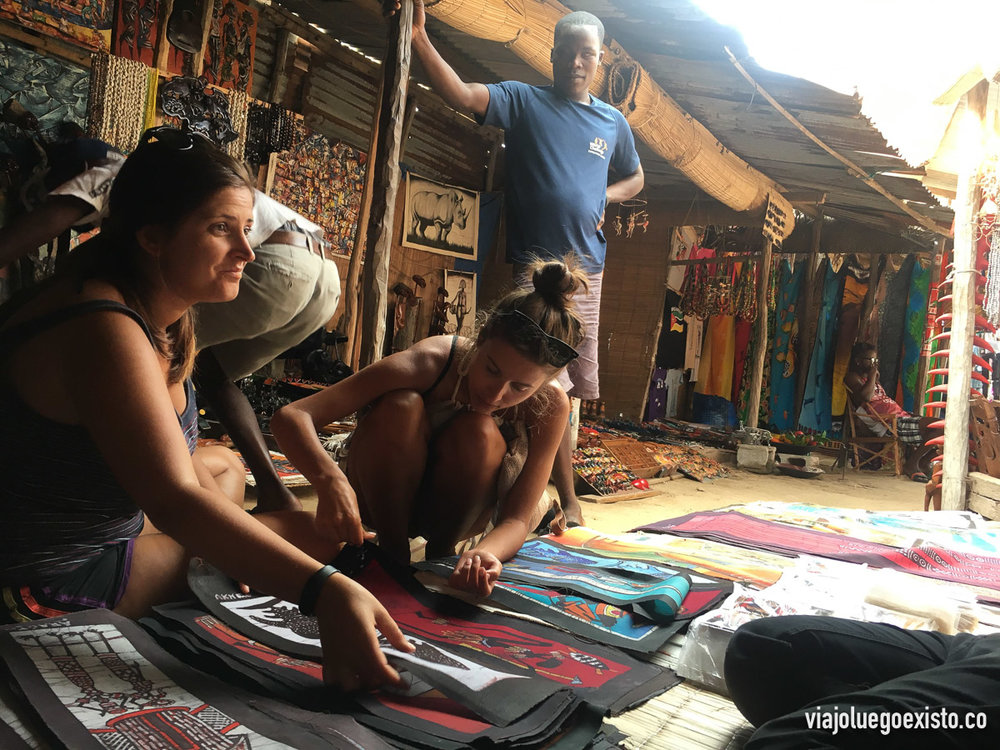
[455,436]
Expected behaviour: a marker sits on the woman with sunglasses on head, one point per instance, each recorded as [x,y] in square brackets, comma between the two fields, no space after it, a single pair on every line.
[103,501]
[453,434]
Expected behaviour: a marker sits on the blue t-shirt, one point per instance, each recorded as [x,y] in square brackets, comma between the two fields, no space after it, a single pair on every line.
[558,155]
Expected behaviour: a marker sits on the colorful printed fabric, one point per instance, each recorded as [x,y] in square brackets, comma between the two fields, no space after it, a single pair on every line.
[324,181]
[52,89]
[100,681]
[659,592]
[850,318]
[481,688]
[287,473]
[892,321]
[420,715]
[594,673]
[709,558]
[731,527]
[913,335]
[596,620]
[959,531]
[87,23]
[715,376]
[784,368]
[586,594]
[817,398]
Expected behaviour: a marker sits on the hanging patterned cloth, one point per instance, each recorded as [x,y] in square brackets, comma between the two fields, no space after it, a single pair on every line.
[850,317]
[892,321]
[913,333]
[817,399]
[784,369]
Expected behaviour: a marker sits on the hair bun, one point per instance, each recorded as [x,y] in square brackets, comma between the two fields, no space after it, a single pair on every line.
[555,283]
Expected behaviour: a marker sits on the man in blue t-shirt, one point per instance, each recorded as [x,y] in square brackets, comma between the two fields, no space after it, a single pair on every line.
[561,144]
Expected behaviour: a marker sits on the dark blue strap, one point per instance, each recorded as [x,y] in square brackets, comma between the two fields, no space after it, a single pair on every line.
[444,371]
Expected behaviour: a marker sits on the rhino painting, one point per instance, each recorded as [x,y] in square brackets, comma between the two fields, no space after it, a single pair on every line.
[440,218]
[442,210]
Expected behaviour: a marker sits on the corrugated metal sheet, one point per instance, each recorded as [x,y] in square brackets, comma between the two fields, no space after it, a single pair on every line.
[337,98]
[683,50]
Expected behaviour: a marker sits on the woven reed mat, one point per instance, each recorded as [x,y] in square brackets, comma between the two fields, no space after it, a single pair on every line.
[684,718]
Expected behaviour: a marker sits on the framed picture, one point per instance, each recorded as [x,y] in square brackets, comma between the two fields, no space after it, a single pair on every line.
[461,317]
[440,218]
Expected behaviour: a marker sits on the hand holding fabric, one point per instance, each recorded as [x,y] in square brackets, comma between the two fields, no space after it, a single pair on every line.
[337,514]
[476,571]
[350,619]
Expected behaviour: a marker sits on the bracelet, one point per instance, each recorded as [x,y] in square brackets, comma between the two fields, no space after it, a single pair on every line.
[310,592]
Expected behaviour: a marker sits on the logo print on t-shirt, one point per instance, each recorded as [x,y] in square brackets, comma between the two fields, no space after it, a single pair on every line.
[598,147]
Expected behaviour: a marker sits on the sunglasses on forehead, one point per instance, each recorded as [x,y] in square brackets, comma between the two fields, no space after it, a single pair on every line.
[524,328]
[173,138]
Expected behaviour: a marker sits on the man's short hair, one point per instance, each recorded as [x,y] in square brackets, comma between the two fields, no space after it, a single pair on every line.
[580,18]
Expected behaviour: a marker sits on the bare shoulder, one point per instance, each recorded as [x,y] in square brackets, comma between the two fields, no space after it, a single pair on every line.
[549,407]
[416,368]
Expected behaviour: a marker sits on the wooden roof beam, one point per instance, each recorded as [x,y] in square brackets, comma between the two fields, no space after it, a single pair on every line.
[852,169]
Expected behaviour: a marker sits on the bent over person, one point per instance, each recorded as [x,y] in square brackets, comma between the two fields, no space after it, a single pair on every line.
[455,436]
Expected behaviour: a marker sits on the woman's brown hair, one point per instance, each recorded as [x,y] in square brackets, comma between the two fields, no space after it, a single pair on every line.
[549,308]
[170,175]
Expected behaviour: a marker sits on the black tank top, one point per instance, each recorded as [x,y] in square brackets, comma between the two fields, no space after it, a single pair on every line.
[60,504]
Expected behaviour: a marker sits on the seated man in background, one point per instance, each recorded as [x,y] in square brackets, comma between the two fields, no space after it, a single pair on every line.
[288,292]
[868,399]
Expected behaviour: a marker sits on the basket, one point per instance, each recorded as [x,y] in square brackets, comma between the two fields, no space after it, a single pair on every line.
[634,455]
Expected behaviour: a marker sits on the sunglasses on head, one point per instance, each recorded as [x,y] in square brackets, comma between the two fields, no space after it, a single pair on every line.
[558,352]
[171,137]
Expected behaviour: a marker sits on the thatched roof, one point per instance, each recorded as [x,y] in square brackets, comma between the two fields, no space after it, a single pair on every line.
[683,50]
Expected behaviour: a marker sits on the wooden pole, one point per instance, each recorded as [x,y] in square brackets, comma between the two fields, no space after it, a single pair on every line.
[279,81]
[352,289]
[162,44]
[408,115]
[761,348]
[198,64]
[852,169]
[375,277]
[491,164]
[955,466]
[866,331]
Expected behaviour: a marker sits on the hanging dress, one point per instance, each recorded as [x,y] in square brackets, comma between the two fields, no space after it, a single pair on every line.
[817,397]
[913,335]
[784,372]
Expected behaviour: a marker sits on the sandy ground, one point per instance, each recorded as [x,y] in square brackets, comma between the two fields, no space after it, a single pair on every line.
[677,497]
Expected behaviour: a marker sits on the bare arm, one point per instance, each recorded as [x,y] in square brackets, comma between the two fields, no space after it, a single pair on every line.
[861,392]
[478,569]
[295,425]
[626,188]
[468,97]
[30,231]
[118,392]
